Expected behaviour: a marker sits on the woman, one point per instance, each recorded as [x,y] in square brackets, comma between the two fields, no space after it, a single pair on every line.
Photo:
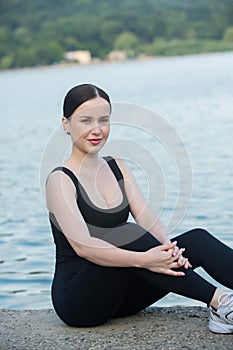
[107,267]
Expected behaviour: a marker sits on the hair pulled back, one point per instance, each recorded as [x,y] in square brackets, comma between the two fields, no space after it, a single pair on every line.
[80,94]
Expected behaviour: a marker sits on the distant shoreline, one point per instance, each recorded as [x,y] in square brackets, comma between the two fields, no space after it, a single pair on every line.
[102,62]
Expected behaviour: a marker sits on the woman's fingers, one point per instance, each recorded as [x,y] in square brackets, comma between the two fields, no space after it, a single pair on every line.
[175,251]
[168,271]
[161,259]
[187,265]
[185,262]
[178,255]
[175,273]
[168,246]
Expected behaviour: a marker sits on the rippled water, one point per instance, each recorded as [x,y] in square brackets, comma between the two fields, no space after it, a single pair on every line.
[194,94]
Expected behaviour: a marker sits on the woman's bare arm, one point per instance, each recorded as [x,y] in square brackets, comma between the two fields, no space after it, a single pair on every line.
[140,208]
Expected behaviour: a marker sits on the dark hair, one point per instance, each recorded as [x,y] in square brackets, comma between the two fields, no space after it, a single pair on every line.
[80,94]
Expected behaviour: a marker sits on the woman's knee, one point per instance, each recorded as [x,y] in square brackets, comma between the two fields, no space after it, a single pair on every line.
[139,239]
[198,235]
[201,233]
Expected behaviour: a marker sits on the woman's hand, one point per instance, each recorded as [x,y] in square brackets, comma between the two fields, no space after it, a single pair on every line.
[165,258]
[181,262]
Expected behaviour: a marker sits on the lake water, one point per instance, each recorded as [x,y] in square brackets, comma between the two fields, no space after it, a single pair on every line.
[194,96]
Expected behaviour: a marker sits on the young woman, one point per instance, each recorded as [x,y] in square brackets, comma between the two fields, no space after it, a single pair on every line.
[107,267]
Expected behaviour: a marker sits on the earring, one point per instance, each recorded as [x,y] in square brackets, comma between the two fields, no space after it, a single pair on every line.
[68,133]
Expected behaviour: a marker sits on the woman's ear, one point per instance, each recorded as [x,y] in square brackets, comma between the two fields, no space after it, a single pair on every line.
[66,124]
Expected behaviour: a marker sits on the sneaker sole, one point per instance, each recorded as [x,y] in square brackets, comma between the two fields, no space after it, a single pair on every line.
[217,327]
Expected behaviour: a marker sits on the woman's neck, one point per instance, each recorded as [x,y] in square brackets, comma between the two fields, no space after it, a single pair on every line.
[79,159]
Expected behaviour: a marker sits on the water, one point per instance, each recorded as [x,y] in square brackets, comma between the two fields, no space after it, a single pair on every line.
[194,94]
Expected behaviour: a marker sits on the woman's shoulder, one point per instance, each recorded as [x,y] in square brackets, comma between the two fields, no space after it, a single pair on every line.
[122,164]
[127,173]
[61,175]
[117,162]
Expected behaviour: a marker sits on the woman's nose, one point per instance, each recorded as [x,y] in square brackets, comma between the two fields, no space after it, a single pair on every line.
[96,130]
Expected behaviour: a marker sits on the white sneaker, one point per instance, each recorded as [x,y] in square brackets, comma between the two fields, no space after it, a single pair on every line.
[221,320]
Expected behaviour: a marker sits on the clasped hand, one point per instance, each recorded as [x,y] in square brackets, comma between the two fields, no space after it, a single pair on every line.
[165,258]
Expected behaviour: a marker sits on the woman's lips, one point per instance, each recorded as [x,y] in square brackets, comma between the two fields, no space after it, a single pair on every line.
[94,141]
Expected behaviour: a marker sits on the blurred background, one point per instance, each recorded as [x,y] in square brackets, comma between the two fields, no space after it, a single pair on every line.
[39,33]
[174,57]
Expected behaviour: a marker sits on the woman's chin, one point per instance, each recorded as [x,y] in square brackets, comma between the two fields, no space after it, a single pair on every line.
[95,149]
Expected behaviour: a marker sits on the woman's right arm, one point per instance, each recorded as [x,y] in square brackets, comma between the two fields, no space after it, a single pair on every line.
[61,201]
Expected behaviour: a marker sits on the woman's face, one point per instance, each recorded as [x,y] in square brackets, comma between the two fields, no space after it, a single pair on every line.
[89,125]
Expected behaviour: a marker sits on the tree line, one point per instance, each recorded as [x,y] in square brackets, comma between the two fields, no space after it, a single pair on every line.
[39,32]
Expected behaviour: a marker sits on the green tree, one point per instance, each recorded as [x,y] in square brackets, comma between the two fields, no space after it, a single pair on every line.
[203,29]
[190,33]
[228,35]
[127,42]
[6,62]
[4,35]
[49,52]
[70,43]
[22,35]
[109,31]
[25,56]
[176,25]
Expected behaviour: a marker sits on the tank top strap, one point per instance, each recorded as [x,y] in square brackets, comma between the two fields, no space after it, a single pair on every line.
[70,174]
[114,167]
[111,162]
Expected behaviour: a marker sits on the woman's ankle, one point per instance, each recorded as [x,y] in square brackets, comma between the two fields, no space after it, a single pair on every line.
[214,301]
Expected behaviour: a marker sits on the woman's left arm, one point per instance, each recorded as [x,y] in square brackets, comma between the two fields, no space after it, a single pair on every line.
[140,209]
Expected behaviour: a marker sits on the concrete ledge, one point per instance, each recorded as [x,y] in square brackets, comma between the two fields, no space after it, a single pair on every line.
[155,328]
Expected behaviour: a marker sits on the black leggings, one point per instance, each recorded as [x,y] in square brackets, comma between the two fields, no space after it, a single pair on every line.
[98,293]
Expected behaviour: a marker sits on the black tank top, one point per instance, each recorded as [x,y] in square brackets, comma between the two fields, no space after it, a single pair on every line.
[99,221]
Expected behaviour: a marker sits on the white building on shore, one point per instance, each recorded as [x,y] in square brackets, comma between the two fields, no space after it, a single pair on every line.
[117,55]
[80,56]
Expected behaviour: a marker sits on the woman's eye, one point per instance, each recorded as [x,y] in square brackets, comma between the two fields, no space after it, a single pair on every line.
[104,120]
[85,121]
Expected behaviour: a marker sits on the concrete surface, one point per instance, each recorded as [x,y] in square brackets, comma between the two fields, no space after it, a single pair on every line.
[155,328]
